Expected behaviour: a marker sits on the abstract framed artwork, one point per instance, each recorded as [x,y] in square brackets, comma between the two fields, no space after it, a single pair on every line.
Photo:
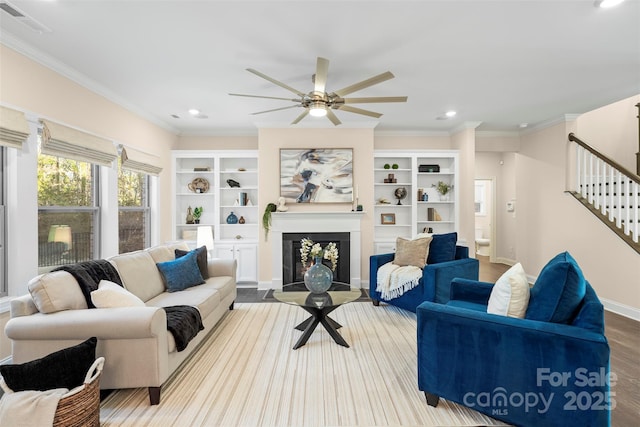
[320,175]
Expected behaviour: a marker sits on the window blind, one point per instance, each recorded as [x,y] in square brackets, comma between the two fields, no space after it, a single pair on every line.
[63,141]
[137,161]
[14,129]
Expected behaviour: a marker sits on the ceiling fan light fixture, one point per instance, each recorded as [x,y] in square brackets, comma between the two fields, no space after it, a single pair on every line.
[318,109]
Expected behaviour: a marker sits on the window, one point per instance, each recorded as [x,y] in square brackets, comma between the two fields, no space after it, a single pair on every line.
[134,210]
[68,214]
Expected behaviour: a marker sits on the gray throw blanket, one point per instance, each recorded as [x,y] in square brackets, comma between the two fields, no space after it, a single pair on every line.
[183,321]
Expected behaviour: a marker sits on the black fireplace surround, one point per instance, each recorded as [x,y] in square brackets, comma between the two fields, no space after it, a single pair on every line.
[292,269]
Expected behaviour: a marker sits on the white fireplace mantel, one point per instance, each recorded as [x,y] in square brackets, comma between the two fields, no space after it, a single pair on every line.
[316,222]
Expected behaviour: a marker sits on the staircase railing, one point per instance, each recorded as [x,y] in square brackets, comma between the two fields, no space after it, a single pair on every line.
[607,189]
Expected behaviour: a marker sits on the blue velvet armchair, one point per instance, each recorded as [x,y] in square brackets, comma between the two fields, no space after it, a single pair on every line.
[436,277]
[549,369]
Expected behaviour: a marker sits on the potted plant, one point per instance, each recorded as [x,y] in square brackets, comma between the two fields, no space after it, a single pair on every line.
[443,189]
[197,213]
[266,218]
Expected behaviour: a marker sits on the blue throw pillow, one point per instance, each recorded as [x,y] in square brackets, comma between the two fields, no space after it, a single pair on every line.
[558,291]
[442,248]
[202,259]
[181,273]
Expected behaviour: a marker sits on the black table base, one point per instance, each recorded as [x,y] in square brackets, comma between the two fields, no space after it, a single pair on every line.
[319,315]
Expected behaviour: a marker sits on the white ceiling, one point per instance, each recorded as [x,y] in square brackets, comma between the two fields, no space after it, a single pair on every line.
[500,63]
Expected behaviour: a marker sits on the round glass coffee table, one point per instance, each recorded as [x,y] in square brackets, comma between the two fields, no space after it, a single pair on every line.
[319,306]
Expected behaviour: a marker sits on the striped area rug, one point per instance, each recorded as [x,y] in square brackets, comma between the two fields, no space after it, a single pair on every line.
[246,374]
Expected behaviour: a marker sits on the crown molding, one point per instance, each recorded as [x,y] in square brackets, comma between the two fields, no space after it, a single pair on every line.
[498,134]
[565,118]
[64,70]
[435,133]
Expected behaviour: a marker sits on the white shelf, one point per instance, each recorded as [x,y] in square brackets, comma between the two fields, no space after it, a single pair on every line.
[411,216]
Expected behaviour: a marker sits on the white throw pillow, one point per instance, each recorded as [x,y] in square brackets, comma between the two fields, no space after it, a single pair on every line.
[112,295]
[56,291]
[510,294]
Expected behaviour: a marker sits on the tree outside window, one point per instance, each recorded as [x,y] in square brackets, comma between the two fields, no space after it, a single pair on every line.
[67,210]
[134,211]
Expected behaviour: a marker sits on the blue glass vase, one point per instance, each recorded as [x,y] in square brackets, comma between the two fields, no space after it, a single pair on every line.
[232,218]
[318,277]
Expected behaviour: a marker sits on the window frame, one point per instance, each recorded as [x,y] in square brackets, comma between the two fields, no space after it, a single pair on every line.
[145,207]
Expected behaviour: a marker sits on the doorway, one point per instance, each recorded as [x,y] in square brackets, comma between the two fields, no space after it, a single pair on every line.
[485,213]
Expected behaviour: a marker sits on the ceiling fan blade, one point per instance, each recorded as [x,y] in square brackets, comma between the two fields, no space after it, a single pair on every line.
[276,82]
[266,97]
[375,99]
[276,109]
[300,117]
[351,109]
[365,83]
[322,70]
[334,119]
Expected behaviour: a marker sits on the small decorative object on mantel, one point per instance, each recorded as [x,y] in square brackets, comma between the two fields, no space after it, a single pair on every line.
[242,170]
[266,218]
[387,166]
[197,213]
[318,277]
[394,166]
[241,220]
[383,201]
[282,205]
[400,194]
[233,183]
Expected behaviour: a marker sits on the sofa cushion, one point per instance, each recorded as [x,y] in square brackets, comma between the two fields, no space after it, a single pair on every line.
[204,297]
[161,254]
[112,295]
[65,368]
[56,291]
[139,274]
[510,294]
[181,273]
[442,248]
[412,252]
[202,257]
[558,291]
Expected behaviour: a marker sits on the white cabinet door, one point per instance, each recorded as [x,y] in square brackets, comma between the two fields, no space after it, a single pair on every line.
[245,254]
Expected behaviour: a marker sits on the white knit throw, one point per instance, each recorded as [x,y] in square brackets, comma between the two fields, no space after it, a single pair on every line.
[393,280]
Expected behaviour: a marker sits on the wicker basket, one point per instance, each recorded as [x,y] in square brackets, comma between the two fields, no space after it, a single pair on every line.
[80,407]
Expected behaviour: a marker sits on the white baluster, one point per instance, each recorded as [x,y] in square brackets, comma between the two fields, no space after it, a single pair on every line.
[612,181]
[635,188]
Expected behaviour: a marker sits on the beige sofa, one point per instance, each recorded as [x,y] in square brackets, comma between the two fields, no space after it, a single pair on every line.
[138,349]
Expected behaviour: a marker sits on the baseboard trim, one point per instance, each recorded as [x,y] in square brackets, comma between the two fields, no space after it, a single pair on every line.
[6,361]
[621,309]
[506,261]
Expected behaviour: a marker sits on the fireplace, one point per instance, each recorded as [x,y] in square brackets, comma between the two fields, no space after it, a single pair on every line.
[306,224]
[292,268]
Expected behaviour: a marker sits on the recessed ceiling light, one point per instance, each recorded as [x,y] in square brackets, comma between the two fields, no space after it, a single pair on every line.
[605,4]
[523,125]
[194,111]
[450,113]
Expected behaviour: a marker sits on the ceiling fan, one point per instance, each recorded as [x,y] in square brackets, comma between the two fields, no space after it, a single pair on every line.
[320,103]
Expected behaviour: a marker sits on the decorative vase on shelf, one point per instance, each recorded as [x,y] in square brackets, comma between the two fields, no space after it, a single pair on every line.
[318,277]
[232,219]
[444,197]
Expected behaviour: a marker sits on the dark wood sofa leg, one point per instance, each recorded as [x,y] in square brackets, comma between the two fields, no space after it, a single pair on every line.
[432,399]
[231,306]
[154,395]
[375,302]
